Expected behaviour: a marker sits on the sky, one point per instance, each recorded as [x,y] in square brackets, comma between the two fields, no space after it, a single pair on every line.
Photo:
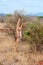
[28,6]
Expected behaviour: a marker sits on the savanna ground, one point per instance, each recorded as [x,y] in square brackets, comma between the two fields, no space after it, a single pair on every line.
[8,55]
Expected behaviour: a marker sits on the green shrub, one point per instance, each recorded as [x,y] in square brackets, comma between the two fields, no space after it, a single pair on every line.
[34,35]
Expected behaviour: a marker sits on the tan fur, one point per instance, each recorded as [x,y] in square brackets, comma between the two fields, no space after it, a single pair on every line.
[18,32]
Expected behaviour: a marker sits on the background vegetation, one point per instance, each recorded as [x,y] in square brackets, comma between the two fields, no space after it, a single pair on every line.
[32,29]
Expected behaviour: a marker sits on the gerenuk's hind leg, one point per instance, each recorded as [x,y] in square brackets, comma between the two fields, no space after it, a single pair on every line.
[17,44]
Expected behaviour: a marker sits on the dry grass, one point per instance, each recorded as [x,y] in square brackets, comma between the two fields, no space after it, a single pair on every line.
[8,55]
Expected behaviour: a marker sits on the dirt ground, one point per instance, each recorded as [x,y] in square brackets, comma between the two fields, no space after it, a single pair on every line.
[8,55]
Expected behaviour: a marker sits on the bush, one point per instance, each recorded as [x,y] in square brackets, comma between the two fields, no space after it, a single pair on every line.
[34,33]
